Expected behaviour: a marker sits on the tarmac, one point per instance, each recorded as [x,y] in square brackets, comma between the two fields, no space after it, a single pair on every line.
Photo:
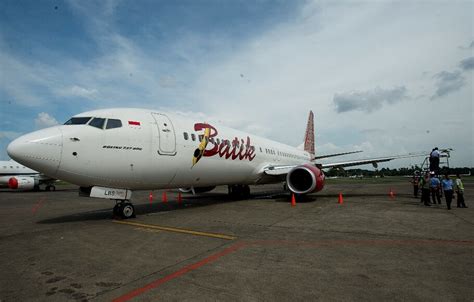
[57,246]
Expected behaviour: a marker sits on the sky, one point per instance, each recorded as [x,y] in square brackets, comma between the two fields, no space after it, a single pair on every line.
[385,77]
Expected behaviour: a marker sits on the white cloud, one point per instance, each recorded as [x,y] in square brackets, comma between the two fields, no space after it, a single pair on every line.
[331,48]
[77,91]
[45,120]
[368,101]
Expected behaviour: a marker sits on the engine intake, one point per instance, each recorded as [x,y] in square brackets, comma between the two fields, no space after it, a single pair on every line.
[22,183]
[305,179]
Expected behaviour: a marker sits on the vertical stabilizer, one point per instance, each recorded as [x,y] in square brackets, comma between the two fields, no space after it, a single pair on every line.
[309,135]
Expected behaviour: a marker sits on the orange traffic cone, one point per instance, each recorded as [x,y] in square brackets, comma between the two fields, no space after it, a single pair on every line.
[293,200]
[180,199]
[340,200]
[391,193]
[164,198]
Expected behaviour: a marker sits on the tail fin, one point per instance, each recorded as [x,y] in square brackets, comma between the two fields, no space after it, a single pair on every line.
[309,135]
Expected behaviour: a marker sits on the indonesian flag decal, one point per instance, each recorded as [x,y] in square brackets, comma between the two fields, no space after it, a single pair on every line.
[134,123]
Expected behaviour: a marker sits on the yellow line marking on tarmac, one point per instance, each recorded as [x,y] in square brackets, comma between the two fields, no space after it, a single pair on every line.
[176,230]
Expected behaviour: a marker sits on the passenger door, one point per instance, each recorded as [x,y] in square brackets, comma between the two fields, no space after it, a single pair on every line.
[166,135]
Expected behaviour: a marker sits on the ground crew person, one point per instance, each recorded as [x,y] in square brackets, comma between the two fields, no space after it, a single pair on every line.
[460,191]
[434,160]
[447,185]
[425,189]
[435,187]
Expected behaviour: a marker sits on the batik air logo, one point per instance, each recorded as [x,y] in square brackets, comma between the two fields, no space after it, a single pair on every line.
[237,149]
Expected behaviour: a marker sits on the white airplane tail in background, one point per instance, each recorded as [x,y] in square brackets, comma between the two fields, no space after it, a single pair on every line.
[309,135]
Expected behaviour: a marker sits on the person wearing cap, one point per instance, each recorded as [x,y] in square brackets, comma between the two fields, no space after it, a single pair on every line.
[460,191]
[435,188]
[447,185]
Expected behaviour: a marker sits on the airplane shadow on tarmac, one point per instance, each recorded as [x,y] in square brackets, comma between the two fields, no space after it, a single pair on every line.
[201,200]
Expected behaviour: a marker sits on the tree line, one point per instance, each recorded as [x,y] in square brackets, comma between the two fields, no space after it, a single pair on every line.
[392,172]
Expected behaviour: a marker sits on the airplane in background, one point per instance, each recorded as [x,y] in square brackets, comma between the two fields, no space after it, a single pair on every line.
[111,152]
[18,177]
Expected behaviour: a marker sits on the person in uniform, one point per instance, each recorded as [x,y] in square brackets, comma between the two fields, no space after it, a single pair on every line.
[434,160]
[447,185]
[460,191]
[425,189]
[415,181]
[435,187]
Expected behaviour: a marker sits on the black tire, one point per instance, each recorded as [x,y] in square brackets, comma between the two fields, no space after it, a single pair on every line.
[127,211]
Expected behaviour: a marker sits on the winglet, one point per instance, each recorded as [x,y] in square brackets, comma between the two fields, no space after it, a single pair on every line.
[309,135]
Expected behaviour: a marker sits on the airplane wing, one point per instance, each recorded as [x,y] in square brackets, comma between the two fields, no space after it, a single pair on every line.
[284,169]
[374,161]
[335,154]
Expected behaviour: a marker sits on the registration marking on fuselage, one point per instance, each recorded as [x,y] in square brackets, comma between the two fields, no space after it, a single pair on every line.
[176,230]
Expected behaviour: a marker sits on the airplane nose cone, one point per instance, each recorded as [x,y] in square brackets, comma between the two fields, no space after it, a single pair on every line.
[39,150]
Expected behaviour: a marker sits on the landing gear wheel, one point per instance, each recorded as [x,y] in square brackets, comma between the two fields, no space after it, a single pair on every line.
[50,188]
[127,211]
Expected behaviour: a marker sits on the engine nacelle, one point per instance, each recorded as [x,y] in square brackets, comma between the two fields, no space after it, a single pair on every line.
[22,183]
[305,179]
[197,189]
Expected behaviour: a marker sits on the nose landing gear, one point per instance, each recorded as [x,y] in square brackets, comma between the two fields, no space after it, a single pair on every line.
[239,191]
[124,209]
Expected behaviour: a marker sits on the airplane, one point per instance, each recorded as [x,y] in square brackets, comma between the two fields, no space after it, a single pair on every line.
[18,177]
[109,153]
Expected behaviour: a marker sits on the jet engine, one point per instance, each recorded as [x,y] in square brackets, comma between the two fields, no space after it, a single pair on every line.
[197,189]
[22,183]
[305,179]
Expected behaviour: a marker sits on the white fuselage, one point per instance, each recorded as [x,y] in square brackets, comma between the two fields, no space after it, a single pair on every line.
[150,150]
[9,169]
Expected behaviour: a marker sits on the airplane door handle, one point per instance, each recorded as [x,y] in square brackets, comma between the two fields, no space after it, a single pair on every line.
[166,130]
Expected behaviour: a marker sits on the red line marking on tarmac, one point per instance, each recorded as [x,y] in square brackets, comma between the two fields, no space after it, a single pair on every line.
[136,292]
[38,205]
[287,243]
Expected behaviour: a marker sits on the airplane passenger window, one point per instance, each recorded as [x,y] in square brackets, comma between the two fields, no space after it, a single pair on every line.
[218,141]
[77,121]
[97,122]
[186,136]
[193,136]
[113,123]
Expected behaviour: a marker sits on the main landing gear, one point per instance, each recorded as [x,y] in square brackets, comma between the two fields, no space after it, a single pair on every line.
[239,191]
[124,209]
[50,188]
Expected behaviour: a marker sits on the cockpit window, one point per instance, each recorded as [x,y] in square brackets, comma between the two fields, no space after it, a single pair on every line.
[112,123]
[97,122]
[77,121]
